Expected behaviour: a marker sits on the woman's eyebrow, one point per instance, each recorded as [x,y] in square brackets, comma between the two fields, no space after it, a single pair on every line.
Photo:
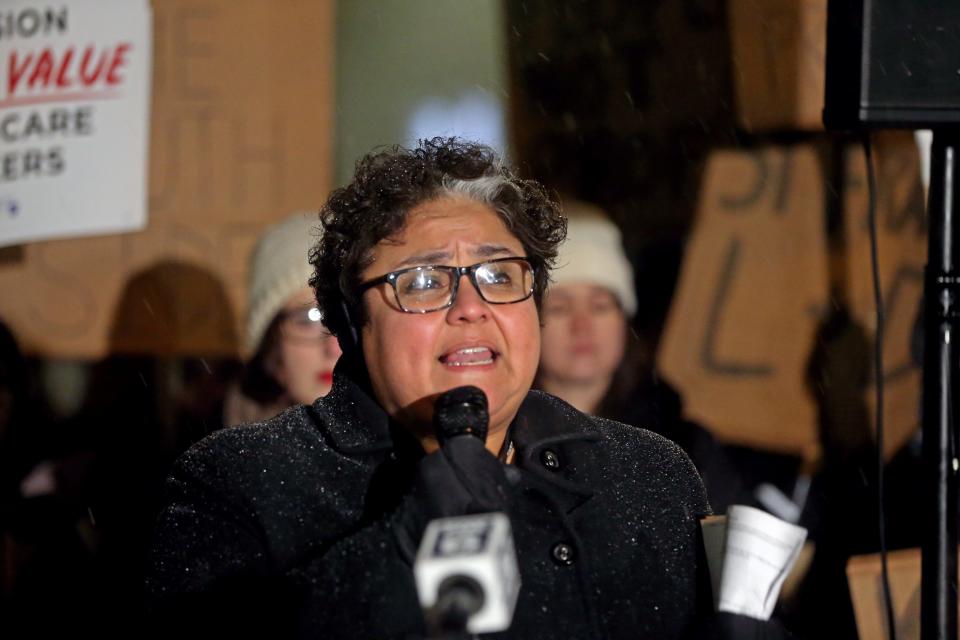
[487,250]
[442,257]
[427,257]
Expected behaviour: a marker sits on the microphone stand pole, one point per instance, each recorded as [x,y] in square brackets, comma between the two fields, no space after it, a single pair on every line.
[938,596]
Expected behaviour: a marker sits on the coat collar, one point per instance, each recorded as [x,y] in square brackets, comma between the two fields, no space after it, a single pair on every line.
[351,417]
[356,424]
[544,419]
[545,424]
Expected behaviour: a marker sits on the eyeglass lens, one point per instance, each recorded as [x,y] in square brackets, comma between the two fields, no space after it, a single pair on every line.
[428,288]
[306,323]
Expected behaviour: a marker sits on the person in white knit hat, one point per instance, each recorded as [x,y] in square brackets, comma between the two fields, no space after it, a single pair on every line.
[586,312]
[291,353]
[591,358]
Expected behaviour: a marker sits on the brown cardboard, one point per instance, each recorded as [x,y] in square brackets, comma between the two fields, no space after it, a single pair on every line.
[778,49]
[754,286]
[902,240]
[240,136]
[866,591]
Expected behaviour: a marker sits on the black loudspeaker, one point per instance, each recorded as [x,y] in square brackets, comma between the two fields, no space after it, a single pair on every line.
[892,64]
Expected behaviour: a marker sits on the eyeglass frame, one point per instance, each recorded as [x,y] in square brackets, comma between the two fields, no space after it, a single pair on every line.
[469,271]
[284,315]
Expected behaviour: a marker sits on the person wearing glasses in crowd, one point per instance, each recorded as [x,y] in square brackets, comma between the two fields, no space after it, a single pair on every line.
[292,352]
[431,271]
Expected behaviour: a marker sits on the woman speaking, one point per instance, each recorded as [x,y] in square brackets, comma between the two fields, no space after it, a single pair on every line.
[430,271]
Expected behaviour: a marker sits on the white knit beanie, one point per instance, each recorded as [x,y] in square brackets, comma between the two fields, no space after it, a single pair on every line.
[279,268]
[593,254]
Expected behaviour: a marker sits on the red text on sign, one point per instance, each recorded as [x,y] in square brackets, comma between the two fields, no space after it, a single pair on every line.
[82,68]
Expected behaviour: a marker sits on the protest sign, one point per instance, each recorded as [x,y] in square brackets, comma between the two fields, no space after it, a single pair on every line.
[74,118]
[240,136]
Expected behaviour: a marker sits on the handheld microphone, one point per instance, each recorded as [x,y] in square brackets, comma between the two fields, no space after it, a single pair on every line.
[461,412]
[466,567]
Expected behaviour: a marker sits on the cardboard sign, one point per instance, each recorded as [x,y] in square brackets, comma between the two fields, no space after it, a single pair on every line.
[866,592]
[779,56]
[902,240]
[74,101]
[240,136]
[755,283]
[751,291]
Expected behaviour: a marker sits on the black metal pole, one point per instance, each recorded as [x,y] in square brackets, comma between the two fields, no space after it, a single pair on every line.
[938,617]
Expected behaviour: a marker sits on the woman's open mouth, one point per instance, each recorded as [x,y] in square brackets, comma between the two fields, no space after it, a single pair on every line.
[469,357]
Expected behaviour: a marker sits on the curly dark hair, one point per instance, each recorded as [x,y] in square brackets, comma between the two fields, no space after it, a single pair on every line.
[387,184]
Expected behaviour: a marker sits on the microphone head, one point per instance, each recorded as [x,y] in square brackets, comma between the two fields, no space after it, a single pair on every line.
[461,411]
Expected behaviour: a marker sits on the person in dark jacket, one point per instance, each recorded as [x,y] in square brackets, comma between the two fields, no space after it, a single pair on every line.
[431,270]
[591,358]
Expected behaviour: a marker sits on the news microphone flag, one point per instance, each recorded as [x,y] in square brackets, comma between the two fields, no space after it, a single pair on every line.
[476,550]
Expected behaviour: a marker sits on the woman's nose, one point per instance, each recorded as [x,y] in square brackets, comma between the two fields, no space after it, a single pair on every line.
[468,306]
[581,322]
[331,347]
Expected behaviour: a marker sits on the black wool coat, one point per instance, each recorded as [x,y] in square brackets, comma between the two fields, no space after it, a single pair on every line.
[284,527]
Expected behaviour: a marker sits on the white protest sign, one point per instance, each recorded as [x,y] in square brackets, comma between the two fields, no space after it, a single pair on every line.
[74,117]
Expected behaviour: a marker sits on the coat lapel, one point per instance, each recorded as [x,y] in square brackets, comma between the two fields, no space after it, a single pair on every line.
[352,419]
[548,432]
[545,426]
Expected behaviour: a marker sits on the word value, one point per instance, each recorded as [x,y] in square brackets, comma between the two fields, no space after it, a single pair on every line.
[85,68]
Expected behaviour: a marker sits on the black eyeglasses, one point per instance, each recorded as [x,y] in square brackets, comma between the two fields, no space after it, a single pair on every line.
[432,287]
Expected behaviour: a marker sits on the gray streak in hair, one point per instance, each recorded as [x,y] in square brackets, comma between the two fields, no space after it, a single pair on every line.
[485,189]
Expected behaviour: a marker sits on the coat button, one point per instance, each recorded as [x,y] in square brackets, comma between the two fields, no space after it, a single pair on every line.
[562,553]
[550,460]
